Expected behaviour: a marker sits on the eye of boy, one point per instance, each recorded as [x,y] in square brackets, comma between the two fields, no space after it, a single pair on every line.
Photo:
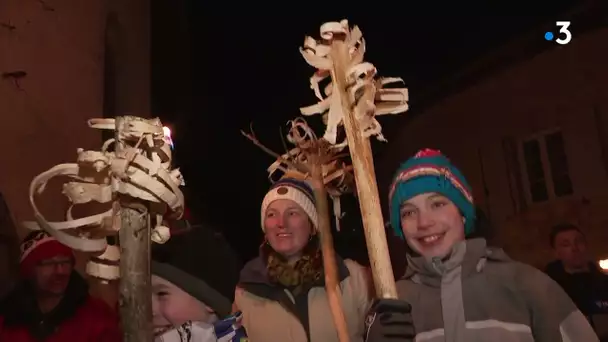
[160,290]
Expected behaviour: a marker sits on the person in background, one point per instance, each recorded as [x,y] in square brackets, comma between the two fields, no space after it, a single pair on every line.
[194,275]
[282,292]
[52,302]
[461,290]
[580,277]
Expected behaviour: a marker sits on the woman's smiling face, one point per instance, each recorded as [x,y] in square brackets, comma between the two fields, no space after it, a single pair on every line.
[287,228]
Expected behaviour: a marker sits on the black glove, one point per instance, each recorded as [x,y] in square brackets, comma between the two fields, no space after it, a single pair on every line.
[389,320]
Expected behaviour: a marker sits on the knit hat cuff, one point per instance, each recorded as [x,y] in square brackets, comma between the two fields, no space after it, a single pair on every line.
[197,288]
[425,170]
[290,192]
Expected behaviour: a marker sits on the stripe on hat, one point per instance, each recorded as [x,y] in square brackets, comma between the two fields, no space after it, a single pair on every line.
[300,185]
[429,170]
[33,245]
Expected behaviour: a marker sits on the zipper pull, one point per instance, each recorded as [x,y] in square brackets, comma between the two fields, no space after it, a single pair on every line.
[437,265]
[291,297]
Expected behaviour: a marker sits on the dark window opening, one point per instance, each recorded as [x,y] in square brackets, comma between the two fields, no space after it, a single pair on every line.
[546,166]
[562,185]
[535,171]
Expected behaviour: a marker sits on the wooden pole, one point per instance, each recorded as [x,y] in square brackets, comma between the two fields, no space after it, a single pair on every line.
[135,283]
[332,285]
[365,178]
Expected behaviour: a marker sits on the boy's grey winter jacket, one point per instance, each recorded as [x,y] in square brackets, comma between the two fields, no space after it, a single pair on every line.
[479,294]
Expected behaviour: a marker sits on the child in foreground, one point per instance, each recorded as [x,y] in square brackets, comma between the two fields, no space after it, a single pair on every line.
[193,280]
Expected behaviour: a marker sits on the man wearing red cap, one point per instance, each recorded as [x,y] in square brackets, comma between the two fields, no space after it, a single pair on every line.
[52,302]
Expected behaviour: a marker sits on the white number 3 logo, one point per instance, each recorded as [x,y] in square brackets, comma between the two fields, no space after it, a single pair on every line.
[563,25]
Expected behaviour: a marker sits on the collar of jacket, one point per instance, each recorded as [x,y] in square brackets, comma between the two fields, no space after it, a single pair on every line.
[254,278]
[471,255]
[255,272]
[20,307]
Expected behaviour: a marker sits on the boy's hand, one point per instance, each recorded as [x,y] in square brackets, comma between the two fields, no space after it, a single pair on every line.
[389,320]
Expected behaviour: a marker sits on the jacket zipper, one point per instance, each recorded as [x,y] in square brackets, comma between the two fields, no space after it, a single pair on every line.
[292,299]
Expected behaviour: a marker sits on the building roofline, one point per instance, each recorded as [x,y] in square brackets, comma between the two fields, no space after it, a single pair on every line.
[591,15]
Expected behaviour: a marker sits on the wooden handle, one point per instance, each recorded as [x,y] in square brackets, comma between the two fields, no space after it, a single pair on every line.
[135,301]
[332,284]
[365,178]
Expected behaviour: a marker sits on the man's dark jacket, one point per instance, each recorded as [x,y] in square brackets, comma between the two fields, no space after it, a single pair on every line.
[588,290]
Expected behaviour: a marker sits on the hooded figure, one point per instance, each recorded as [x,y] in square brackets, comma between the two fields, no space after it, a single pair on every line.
[194,275]
[282,292]
[461,290]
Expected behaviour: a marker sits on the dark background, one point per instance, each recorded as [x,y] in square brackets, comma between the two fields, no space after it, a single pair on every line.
[218,67]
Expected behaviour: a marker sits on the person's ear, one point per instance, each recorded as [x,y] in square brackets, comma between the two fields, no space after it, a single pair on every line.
[313,230]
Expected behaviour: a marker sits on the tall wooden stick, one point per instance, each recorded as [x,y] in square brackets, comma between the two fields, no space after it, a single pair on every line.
[135,283]
[332,284]
[365,177]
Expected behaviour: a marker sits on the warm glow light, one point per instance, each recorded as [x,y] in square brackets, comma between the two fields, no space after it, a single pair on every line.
[604,264]
[167,133]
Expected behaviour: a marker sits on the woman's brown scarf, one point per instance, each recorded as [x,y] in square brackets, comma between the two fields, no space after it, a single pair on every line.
[304,273]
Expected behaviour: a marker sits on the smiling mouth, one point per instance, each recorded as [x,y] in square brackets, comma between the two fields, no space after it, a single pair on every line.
[431,240]
[284,235]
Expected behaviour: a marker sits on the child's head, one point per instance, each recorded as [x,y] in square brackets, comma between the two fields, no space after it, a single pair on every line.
[431,204]
[194,277]
[172,306]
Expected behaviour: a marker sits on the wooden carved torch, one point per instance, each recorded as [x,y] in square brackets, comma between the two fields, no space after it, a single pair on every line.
[319,163]
[137,187]
[353,98]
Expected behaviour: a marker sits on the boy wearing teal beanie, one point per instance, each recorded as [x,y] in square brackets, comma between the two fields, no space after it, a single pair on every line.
[429,183]
[458,288]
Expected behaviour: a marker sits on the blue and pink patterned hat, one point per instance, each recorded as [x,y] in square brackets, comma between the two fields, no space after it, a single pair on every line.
[430,171]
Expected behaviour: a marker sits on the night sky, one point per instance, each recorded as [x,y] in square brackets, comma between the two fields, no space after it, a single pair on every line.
[217,69]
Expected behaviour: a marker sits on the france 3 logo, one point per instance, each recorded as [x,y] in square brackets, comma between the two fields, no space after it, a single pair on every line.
[563,36]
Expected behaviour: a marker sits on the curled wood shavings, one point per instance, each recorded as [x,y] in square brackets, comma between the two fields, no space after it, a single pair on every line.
[141,170]
[105,266]
[367,92]
[295,163]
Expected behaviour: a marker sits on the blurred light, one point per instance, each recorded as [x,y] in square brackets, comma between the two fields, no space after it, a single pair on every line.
[167,133]
[604,264]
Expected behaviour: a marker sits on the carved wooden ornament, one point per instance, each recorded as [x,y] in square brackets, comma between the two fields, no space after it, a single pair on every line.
[141,171]
[365,91]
